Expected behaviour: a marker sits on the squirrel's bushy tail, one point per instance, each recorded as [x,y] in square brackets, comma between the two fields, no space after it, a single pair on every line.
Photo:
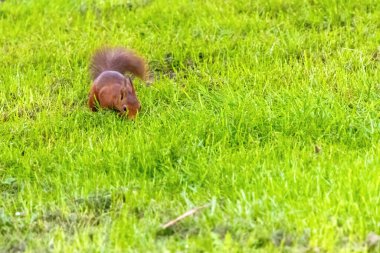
[117,59]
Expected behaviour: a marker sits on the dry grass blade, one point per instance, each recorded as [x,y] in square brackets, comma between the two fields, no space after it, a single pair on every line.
[183,216]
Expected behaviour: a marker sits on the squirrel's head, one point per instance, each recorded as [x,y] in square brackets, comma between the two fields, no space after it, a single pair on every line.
[127,102]
[121,97]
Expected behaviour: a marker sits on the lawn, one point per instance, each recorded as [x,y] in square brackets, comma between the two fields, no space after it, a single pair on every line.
[266,112]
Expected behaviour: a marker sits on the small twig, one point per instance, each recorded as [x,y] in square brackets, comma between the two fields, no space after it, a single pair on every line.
[183,216]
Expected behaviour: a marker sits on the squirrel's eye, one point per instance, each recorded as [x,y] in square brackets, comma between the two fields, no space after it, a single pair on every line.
[121,96]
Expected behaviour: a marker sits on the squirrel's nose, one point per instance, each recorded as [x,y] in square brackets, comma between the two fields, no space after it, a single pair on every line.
[124,108]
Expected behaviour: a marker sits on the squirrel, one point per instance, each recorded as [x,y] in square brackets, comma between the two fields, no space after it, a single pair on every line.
[110,87]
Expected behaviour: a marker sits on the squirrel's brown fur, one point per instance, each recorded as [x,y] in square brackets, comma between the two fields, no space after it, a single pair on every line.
[111,88]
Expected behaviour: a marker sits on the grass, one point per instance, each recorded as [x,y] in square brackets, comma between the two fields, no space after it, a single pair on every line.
[244,93]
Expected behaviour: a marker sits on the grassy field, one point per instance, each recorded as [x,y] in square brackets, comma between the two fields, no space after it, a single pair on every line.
[266,111]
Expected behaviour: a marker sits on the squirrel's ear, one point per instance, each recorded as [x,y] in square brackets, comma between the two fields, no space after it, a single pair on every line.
[130,79]
[130,88]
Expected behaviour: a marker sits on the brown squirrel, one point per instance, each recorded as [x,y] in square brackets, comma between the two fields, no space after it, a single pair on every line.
[111,88]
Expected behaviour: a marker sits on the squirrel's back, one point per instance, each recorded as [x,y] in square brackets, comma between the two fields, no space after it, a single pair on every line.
[117,59]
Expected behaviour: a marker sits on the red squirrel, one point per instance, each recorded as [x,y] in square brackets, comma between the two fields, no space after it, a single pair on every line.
[111,88]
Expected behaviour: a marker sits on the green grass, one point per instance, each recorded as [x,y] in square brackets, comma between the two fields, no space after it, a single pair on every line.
[243,92]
